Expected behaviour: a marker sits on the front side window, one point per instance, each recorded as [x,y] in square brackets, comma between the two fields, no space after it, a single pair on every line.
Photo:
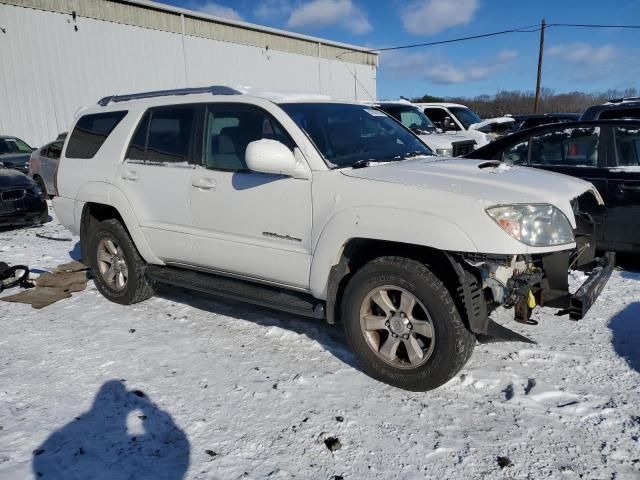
[228,131]
[90,133]
[627,146]
[571,147]
[410,117]
[345,134]
[516,154]
[13,145]
[465,116]
[170,134]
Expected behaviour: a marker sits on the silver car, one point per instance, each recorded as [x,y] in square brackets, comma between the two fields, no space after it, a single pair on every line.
[43,166]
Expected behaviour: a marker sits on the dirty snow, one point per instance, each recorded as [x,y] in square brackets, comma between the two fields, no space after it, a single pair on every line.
[182,386]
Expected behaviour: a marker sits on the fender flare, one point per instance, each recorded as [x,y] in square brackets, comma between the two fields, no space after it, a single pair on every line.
[380,223]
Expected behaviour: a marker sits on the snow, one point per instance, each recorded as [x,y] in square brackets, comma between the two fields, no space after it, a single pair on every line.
[627,168]
[214,390]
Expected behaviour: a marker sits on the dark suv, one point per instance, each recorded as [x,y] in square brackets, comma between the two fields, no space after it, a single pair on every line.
[622,108]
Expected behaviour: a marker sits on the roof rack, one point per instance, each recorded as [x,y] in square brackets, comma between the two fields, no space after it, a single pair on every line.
[213,90]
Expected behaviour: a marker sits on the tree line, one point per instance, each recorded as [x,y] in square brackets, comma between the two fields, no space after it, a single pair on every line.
[517,102]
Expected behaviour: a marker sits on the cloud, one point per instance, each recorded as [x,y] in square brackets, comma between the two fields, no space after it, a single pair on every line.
[218,10]
[583,54]
[428,17]
[324,13]
[434,68]
[273,9]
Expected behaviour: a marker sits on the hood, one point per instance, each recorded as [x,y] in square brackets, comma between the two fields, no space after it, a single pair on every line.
[13,178]
[490,182]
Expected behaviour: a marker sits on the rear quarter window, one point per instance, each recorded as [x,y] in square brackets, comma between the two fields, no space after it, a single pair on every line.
[90,133]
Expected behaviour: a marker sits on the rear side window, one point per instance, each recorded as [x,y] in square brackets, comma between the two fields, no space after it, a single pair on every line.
[170,137]
[90,133]
[628,146]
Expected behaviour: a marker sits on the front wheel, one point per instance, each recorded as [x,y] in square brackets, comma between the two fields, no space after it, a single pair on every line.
[403,325]
[118,269]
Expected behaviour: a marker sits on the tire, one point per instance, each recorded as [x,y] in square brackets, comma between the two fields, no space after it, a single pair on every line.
[135,287]
[421,362]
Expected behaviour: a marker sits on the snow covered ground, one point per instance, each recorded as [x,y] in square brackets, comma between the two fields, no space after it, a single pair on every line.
[182,386]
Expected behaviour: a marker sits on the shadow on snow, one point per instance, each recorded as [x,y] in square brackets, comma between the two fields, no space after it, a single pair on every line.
[98,444]
[625,327]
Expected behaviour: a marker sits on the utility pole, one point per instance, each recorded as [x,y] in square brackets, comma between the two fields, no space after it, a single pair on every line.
[536,107]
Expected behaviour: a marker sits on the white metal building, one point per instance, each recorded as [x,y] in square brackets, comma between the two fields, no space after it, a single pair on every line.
[59,55]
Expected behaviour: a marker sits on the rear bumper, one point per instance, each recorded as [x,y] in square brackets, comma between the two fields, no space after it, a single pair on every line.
[581,301]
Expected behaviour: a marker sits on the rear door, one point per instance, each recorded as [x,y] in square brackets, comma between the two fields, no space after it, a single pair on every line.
[578,152]
[156,177]
[623,195]
[49,160]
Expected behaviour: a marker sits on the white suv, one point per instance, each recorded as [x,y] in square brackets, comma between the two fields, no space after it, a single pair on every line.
[331,210]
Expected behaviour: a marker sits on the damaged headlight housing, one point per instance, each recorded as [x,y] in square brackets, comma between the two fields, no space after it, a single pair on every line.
[538,225]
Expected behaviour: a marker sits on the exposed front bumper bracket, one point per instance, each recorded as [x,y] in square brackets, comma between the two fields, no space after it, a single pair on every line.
[581,301]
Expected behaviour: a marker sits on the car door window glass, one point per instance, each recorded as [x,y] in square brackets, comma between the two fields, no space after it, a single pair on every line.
[517,153]
[627,146]
[230,129]
[137,147]
[170,135]
[571,147]
[54,151]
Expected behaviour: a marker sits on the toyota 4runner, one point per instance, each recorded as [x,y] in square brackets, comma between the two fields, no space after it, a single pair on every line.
[324,209]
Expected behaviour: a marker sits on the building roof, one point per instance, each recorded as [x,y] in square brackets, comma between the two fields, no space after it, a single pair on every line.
[158,16]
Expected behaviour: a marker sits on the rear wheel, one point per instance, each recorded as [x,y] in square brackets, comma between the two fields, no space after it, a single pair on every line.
[117,266]
[403,325]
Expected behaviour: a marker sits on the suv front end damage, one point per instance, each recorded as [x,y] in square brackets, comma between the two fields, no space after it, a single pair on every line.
[526,281]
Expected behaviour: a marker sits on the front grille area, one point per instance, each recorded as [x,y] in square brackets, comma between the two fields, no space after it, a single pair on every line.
[12,195]
[462,148]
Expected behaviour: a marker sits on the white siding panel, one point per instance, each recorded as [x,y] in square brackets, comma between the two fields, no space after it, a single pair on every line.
[48,70]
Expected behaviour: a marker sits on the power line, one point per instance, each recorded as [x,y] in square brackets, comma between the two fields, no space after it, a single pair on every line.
[527,29]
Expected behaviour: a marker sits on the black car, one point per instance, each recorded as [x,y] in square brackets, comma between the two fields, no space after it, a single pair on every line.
[605,152]
[621,108]
[14,153]
[537,119]
[21,200]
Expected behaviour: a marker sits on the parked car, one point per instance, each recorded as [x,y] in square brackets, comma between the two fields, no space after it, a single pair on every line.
[14,153]
[453,117]
[443,144]
[43,166]
[623,108]
[21,200]
[605,152]
[523,122]
[324,209]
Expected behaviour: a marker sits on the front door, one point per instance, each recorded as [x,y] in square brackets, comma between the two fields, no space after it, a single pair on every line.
[623,193]
[247,223]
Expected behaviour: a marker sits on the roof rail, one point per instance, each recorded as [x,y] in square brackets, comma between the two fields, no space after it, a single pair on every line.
[213,90]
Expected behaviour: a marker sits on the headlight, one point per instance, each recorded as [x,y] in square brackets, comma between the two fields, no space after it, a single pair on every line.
[444,152]
[539,225]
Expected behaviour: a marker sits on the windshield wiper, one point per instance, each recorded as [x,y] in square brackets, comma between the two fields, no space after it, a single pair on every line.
[415,153]
[366,162]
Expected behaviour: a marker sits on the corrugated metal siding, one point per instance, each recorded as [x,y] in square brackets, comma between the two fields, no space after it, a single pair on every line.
[158,19]
[49,70]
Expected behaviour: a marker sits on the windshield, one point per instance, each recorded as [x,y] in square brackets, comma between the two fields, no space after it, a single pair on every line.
[347,134]
[411,117]
[465,116]
[13,145]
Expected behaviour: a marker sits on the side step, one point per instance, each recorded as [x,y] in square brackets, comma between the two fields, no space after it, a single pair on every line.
[244,291]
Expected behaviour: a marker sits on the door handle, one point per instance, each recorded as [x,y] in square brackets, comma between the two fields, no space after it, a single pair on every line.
[204,183]
[130,175]
[629,188]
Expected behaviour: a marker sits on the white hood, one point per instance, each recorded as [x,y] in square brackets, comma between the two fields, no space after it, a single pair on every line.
[491,121]
[490,182]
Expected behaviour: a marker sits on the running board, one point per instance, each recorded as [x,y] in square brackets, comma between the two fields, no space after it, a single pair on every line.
[234,289]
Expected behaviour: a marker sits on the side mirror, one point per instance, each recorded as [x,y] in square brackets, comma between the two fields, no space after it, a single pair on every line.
[271,156]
